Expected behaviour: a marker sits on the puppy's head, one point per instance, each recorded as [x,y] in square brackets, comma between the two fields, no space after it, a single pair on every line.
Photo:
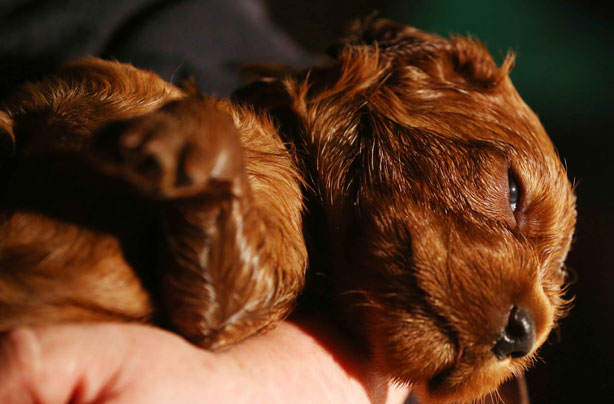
[448,208]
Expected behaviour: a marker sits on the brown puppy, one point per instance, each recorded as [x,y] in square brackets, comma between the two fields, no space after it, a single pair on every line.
[128,198]
[449,214]
[446,212]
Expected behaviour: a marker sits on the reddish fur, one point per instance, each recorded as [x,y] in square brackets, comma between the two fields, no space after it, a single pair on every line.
[406,140]
[243,214]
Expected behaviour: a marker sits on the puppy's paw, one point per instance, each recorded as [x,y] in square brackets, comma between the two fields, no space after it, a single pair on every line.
[178,151]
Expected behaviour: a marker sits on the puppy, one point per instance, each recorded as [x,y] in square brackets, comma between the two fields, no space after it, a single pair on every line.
[438,208]
[447,213]
[128,198]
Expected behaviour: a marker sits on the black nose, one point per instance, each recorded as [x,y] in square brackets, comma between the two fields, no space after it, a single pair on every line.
[518,337]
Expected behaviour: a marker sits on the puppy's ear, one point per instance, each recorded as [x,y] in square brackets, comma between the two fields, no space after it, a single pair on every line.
[383,33]
[7,137]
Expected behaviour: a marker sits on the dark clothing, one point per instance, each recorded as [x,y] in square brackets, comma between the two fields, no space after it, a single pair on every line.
[206,39]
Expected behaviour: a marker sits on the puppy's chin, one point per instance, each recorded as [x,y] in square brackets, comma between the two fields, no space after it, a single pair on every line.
[466,382]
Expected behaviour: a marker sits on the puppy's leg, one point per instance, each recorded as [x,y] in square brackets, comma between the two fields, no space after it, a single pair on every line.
[222,277]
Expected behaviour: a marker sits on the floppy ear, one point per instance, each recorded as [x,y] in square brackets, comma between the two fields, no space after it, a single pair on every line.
[7,138]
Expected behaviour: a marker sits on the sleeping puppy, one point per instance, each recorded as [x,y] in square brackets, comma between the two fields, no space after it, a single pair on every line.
[448,214]
[438,208]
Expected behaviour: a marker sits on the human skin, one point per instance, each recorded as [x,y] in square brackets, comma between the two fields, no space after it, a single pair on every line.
[123,363]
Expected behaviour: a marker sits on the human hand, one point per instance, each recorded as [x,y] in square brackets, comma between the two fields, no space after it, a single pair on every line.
[124,363]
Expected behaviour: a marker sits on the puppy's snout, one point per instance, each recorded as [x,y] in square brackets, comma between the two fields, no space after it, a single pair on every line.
[518,337]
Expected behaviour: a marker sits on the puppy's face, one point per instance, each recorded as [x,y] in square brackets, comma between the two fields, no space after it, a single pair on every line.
[451,212]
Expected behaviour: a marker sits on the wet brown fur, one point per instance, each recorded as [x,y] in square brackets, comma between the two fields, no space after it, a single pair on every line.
[406,141]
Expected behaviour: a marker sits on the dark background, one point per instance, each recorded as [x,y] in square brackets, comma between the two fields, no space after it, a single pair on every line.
[564,71]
